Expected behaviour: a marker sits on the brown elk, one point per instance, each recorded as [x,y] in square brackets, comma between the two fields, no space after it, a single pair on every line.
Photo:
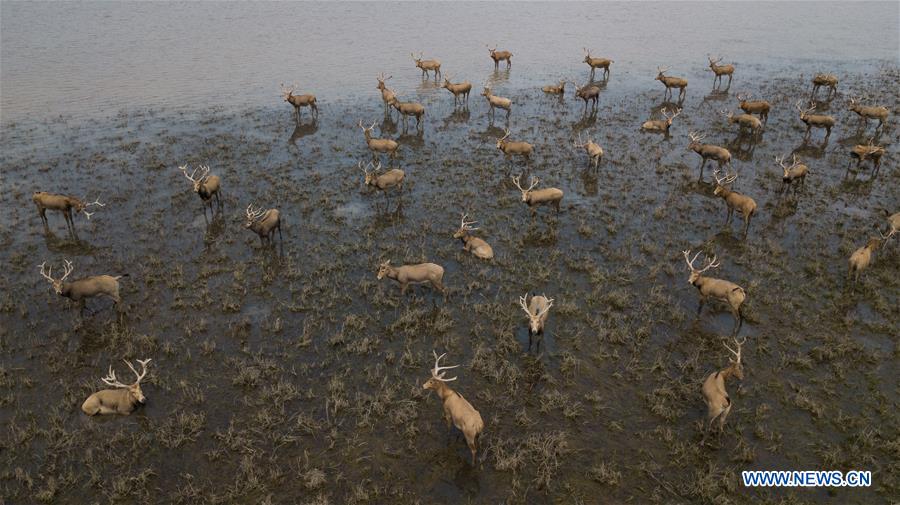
[554,89]
[413,274]
[720,70]
[88,287]
[718,402]
[760,107]
[660,125]
[122,400]
[499,56]
[537,310]
[407,109]
[264,223]
[460,90]
[65,204]
[744,121]
[708,152]
[457,410]
[734,200]
[496,102]
[205,185]
[593,150]
[378,145]
[893,221]
[391,178]
[588,93]
[866,112]
[427,66]
[387,94]
[671,82]
[719,289]
[510,147]
[535,198]
[862,257]
[471,243]
[596,63]
[299,101]
[815,120]
[870,151]
[795,173]
[825,81]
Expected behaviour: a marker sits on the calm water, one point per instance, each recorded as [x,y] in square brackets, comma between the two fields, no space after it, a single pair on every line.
[97,58]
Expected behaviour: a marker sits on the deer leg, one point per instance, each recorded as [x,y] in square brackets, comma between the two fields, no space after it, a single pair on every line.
[403,287]
[700,305]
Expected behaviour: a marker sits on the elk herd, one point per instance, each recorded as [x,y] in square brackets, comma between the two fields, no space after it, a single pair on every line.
[458,412]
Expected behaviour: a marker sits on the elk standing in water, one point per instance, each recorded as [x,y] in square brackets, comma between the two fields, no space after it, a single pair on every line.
[593,150]
[760,107]
[825,81]
[708,152]
[795,173]
[596,63]
[734,200]
[122,400]
[264,223]
[723,290]
[865,152]
[65,204]
[88,287]
[660,125]
[866,113]
[299,101]
[427,66]
[460,90]
[815,120]
[496,102]
[413,274]
[499,56]
[206,185]
[672,82]
[720,70]
[718,402]
[509,147]
[378,145]
[407,109]
[471,243]
[588,93]
[535,198]
[387,94]
[537,310]
[383,182]
[457,410]
[862,257]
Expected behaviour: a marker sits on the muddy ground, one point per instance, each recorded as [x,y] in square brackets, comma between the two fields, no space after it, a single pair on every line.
[296,376]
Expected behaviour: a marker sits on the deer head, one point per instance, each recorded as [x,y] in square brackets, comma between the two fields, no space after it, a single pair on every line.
[737,368]
[286,92]
[722,182]
[661,73]
[56,283]
[695,274]
[464,227]
[696,139]
[502,141]
[804,112]
[253,215]
[534,319]
[534,182]
[196,181]
[713,61]
[367,131]
[672,117]
[438,373]
[133,389]
[381,78]
[787,169]
[383,269]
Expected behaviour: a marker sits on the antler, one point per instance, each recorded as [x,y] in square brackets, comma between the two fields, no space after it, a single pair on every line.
[143,363]
[254,214]
[806,111]
[737,353]
[744,97]
[695,136]
[436,372]
[523,301]
[662,70]
[794,162]
[111,380]
[48,274]
[578,142]
[549,304]
[690,262]
[466,225]
[506,134]
[534,182]
[673,116]
[728,179]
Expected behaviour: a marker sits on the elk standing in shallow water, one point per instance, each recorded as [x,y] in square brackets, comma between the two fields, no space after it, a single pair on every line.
[122,400]
[457,410]
[760,107]
[509,147]
[65,204]
[744,121]
[496,102]
[862,257]
[825,81]
[460,90]
[264,223]
[538,310]
[727,291]
[407,109]
[734,200]
[535,198]
[588,93]
[387,94]
[720,70]
[718,402]
[866,113]
[471,243]
[596,63]
[660,125]
[499,56]
[206,185]
[795,173]
[869,151]
[593,150]
[427,66]
[385,181]
[672,82]
[299,101]
[815,120]
[413,274]
[378,145]
[88,287]
[708,152]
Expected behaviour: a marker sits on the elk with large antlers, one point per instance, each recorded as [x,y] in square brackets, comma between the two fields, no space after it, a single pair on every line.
[460,90]
[734,200]
[660,125]
[88,287]
[122,400]
[518,148]
[862,257]
[554,89]
[795,173]
[538,309]
[588,93]
[496,102]
[708,152]
[536,197]
[760,107]
[720,70]
[264,223]
[205,185]
[718,402]
[65,204]
[671,82]
[596,63]
[409,109]
[378,145]
[867,112]
[387,94]
[815,120]
[391,178]
[593,150]
[457,410]
[413,274]
[825,81]
[719,289]
[499,56]
[471,243]
[870,151]
[299,101]
[744,121]
[427,66]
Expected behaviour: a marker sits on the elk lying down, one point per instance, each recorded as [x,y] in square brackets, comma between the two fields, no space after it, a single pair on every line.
[205,185]
[795,173]
[720,70]
[866,113]
[510,147]
[387,180]
[553,89]
[593,150]
[893,221]
[718,403]
[538,309]
[457,410]
[862,257]
[825,81]
[660,125]
[65,204]
[734,200]
[596,63]
[427,66]
[122,400]
[815,120]
[708,152]
[378,145]
[535,198]
[471,243]
[499,56]
[727,291]
[672,82]
[460,90]
[760,107]
[299,101]
[413,274]
[264,223]
[88,287]
[744,121]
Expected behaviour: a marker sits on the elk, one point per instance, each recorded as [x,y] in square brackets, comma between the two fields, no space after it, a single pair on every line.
[385,181]
[825,81]
[555,89]
[862,257]
[660,125]
[407,109]
[593,150]
[719,289]
[596,63]
[456,408]
[760,107]
[720,70]
[205,185]
[122,400]
[471,243]
[460,90]
[510,147]
[734,200]
[499,56]
[88,287]
[863,152]
[866,112]
[535,198]
[893,221]
[708,152]
[264,223]
[427,66]
[378,145]
[65,204]
[588,92]
[299,101]
[413,274]
[496,102]
[672,82]
[744,121]
[387,94]
[718,402]
[815,120]
[796,172]
[537,310]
